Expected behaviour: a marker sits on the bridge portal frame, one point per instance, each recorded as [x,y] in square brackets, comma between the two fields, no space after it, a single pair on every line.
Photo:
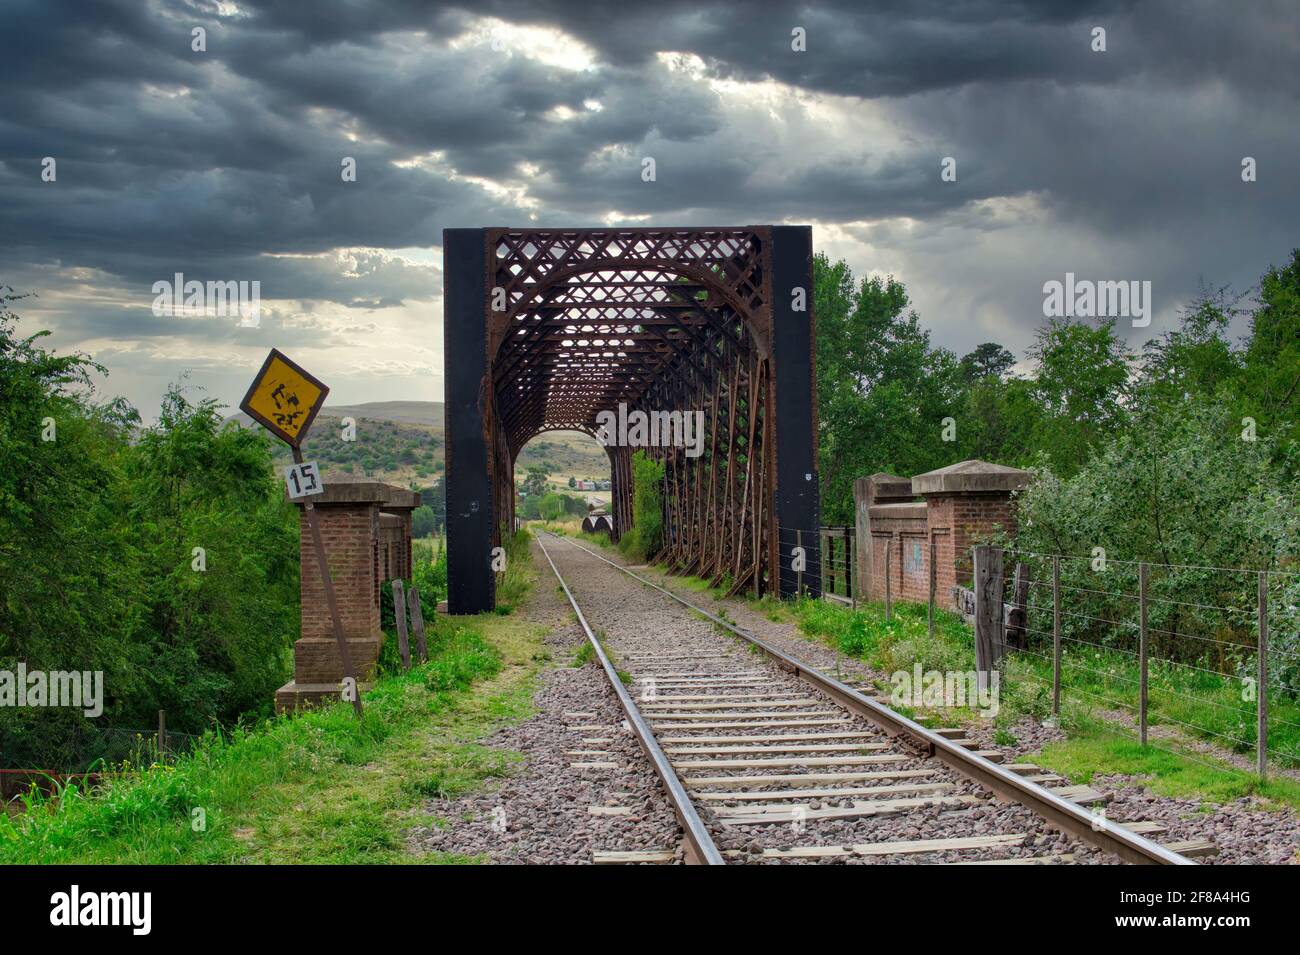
[715,319]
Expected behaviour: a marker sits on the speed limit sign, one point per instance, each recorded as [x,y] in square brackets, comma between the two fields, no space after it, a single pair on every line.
[303,479]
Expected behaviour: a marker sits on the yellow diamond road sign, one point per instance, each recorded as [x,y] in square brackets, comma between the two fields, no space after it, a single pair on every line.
[284,397]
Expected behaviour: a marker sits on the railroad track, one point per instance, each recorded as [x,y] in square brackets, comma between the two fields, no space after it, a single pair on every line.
[765,759]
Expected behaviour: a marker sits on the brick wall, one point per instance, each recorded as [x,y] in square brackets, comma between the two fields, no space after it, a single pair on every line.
[365,548]
[349,532]
[966,519]
[963,504]
[899,529]
[394,546]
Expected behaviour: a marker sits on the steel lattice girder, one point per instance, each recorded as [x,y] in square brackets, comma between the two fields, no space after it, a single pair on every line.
[546,328]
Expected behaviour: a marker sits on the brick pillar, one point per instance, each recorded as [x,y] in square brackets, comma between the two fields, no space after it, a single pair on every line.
[349,532]
[349,515]
[966,503]
[879,488]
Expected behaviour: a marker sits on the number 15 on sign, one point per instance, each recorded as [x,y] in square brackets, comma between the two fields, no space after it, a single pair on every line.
[302,479]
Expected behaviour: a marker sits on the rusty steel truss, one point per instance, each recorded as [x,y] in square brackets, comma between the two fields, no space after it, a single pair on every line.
[547,328]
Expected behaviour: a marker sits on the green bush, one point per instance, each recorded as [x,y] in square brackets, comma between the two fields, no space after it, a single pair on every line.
[644,538]
[1183,492]
[552,506]
[99,521]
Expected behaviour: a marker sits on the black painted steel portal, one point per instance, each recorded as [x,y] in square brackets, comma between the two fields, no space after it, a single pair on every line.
[544,329]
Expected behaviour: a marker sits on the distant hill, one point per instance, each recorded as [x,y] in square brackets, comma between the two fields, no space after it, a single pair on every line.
[403,442]
[430,413]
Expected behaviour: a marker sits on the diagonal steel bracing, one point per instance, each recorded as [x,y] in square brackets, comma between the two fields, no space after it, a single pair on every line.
[547,328]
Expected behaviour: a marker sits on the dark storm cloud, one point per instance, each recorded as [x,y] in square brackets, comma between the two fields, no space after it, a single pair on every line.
[171,160]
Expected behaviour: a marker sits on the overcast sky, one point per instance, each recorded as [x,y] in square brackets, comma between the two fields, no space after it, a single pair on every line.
[225,164]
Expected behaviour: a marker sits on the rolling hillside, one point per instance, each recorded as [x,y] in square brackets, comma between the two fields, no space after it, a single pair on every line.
[403,442]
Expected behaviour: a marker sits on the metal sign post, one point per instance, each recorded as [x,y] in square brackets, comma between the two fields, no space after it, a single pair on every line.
[285,399]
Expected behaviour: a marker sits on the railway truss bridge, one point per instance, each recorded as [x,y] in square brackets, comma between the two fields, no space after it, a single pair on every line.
[545,329]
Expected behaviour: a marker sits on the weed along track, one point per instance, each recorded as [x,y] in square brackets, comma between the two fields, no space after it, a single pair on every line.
[767,761]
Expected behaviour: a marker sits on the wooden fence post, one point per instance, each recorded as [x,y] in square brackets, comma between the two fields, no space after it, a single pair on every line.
[162,734]
[1261,691]
[399,615]
[862,542]
[1143,572]
[988,608]
[1056,637]
[1018,617]
[417,623]
[827,554]
[934,584]
[889,594]
[850,552]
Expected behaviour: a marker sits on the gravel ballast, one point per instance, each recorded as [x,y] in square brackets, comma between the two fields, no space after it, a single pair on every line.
[670,650]
[540,813]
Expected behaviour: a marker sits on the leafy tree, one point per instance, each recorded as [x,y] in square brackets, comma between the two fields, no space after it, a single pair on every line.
[535,482]
[219,636]
[65,548]
[1080,385]
[1180,487]
[99,521]
[1268,387]
[1195,360]
[552,506]
[998,421]
[989,360]
[529,508]
[434,497]
[883,390]
[423,521]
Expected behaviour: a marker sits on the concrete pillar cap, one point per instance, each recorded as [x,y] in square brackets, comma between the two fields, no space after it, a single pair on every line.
[971,477]
[881,486]
[341,488]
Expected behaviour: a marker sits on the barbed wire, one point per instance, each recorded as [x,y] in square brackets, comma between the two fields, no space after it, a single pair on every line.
[1149,563]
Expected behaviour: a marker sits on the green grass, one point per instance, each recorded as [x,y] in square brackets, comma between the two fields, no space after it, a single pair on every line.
[888,646]
[317,787]
[1196,702]
[1202,704]
[513,583]
[1094,749]
[585,654]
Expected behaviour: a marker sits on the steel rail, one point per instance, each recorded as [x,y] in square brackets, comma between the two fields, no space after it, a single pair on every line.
[1075,820]
[700,846]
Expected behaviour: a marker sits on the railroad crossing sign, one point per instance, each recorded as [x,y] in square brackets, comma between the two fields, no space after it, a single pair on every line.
[284,397]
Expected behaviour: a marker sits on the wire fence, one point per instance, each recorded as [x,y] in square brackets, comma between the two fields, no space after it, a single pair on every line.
[1163,649]
[837,550]
[1158,649]
[819,560]
[88,752]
